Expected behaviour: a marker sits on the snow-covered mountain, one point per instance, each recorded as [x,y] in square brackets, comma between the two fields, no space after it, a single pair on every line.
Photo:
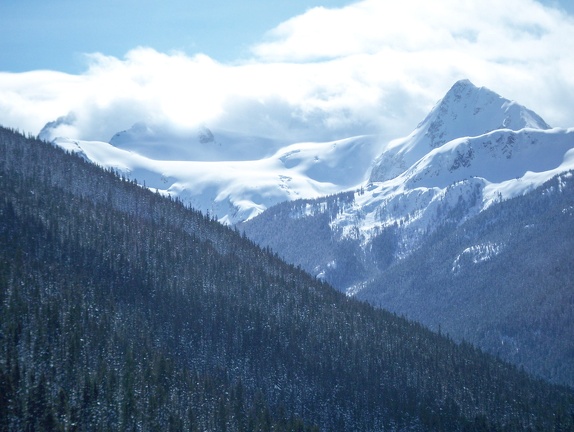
[466,173]
[434,234]
[474,148]
[376,219]
[464,111]
[231,177]
[160,142]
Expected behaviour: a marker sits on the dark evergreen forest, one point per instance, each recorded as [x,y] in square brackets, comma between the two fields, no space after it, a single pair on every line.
[124,310]
[503,280]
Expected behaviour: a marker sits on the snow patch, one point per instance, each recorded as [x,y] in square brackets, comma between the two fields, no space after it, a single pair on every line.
[476,254]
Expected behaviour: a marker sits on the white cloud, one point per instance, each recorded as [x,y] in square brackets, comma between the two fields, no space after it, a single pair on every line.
[373,66]
[517,47]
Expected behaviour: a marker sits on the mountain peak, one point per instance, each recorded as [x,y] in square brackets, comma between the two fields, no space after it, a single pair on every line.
[57,128]
[465,111]
[462,85]
[468,110]
[463,94]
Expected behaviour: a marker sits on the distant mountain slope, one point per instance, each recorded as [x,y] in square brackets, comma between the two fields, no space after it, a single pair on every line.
[449,183]
[230,176]
[120,309]
[503,280]
[465,111]
[358,236]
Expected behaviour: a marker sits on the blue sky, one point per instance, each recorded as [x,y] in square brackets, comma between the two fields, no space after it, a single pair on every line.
[55,34]
[40,34]
[291,69]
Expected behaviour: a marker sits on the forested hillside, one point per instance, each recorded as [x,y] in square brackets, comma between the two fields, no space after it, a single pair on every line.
[503,281]
[121,309]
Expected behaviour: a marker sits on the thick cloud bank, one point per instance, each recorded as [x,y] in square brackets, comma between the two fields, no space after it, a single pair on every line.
[371,67]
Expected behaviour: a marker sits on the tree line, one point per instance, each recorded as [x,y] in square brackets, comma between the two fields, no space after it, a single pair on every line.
[121,309]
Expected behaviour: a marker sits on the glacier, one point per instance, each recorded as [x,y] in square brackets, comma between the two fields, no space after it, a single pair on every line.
[474,147]
[236,190]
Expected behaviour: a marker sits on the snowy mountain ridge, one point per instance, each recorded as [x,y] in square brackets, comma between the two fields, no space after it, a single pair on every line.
[160,142]
[467,174]
[465,111]
[491,149]
[474,147]
[233,190]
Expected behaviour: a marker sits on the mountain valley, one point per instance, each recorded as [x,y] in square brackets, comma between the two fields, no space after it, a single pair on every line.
[432,184]
[184,280]
[352,212]
[123,309]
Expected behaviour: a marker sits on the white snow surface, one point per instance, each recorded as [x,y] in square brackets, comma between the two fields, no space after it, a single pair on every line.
[471,173]
[232,190]
[465,111]
[473,149]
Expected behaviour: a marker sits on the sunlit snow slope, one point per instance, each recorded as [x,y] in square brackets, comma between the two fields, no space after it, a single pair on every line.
[473,149]
[463,177]
[465,111]
[221,179]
